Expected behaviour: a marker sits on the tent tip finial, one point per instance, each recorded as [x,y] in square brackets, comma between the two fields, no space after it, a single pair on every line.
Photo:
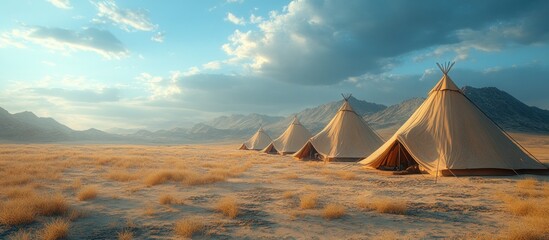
[346,96]
[445,67]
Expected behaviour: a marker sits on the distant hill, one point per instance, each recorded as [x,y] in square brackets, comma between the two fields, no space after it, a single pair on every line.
[315,119]
[507,111]
[504,109]
[240,122]
[27,127]
[395,115]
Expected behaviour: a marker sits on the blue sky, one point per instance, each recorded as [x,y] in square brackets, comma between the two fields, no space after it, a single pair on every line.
[165,64]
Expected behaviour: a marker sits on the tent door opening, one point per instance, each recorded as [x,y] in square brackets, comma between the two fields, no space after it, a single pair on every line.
[398,159]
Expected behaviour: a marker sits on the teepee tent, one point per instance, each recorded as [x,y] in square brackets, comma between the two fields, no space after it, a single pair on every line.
[450,135]
[258,141]
[347,137]
[295,136]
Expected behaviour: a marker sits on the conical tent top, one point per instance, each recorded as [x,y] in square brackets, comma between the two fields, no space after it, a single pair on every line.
[445,82]
[295,121]
[346,107]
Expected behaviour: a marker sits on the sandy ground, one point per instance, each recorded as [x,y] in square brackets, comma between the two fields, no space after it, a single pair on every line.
[267,189]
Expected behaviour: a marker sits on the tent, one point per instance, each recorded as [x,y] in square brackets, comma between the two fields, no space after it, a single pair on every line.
[258,141]
[295,136]
[449,135]
[347,137]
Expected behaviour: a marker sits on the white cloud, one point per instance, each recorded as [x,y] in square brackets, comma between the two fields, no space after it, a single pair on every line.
[235,20]
[63,4]
[158,37]
[160,87]
[255,19]
[126,19]
[65,41]
[212,65]
[235,1]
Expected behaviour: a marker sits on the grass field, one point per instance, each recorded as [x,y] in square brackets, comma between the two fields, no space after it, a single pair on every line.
[215,191]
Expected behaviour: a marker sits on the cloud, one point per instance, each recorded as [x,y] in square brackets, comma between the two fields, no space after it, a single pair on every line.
[235,1]
[326,42]
[235,20]
[255,19]
[160,87]
[126,19]
[158,37]
[90,96]
[63,4]
[63,40]
[212,65]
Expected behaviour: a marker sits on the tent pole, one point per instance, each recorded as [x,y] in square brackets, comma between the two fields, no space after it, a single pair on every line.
[436,175]
[398,167]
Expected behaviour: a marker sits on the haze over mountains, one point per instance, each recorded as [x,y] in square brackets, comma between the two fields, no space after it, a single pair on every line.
[504,109]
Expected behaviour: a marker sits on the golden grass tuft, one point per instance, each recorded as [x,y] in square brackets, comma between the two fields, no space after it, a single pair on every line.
[527,183]
[308,201]
[76,184]
[125,235]
[87,193]
[288,194]
[121,176]
[21,192]
[166,199]
[347,175]
[333,211]
[57,229]
[228,206]
[21,235]
[51,205]
[163,176]
[15,212]
[384,205]
[188,227]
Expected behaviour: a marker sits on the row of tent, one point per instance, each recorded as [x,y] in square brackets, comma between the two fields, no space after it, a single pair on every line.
[448,135]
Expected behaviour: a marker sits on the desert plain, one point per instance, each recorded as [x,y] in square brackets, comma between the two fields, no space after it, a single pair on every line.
[214,191]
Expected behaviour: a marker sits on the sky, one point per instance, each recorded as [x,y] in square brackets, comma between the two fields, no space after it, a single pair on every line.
[173,63]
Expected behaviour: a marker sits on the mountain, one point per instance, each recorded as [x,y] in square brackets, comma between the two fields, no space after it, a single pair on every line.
[504,109]
[395,115]
[315,119]
[240,122]
[507,111]
[27,127]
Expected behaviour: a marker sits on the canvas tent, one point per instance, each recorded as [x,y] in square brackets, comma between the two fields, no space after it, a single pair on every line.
[449,135]
[295,136]
[258,141]
[347,137]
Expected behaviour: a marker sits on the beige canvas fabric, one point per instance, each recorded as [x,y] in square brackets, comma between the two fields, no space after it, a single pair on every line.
[258,141]
[347,137]
[450,134]
[295,136]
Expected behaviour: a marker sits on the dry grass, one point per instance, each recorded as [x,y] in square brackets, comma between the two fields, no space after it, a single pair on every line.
[346,175]
[87,193]
[289,176]
[121,176]
[308,201]
[228,206]
[15,212]
[531,209]
[188,227]
[384,205]
[288,194]
[57,229]
[21,235]
[76,184]
[51,205]
[527,183]
[166,199]
[125,235]
[333,211]
[149,210]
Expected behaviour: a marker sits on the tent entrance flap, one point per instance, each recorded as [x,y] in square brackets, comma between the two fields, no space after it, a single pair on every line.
[397,159]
